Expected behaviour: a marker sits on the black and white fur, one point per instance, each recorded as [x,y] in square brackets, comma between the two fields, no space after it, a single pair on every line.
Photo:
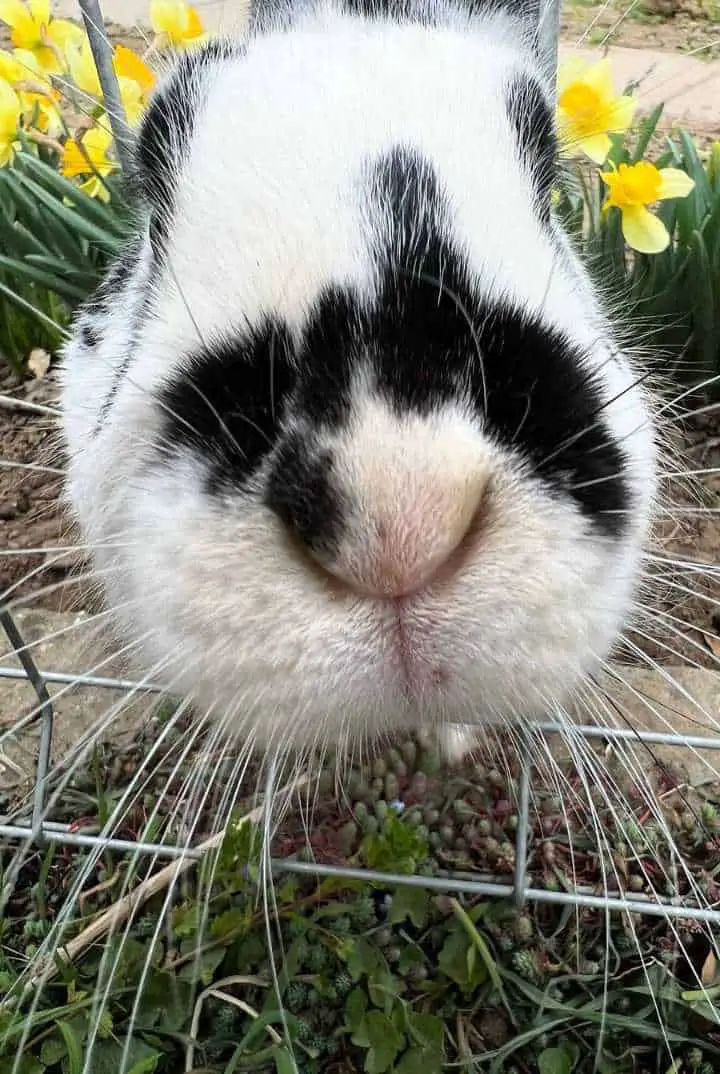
[350,435]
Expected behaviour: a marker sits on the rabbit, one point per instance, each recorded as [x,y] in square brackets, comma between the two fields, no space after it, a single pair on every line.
[352,438]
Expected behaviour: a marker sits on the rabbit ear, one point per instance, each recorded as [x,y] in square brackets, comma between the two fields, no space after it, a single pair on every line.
[167,128]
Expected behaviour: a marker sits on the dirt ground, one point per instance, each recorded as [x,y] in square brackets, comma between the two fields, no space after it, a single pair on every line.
[30,513]
[689,26]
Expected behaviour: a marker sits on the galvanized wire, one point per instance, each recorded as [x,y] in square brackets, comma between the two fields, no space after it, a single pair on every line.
[102,51]
[36,830]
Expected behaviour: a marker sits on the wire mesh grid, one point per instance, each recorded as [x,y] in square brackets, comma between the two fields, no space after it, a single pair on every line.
[38,830]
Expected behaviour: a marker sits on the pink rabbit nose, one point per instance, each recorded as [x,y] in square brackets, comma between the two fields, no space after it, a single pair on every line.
[418,539]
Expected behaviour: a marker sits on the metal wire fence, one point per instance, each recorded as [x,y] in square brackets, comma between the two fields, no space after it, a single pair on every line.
[38,830]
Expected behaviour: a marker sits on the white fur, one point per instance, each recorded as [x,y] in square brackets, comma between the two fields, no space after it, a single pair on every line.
[268,211]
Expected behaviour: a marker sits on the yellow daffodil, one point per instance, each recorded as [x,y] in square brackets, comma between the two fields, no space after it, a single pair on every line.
[39,100]
[33,29]
[95,146]
[175,24]
[135,79]
[589,110]
[632,187]
[129,65]
[10,115]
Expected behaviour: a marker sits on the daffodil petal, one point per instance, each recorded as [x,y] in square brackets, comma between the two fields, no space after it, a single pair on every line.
[8,152]
[166,16]
[40,11]
[10,109]
[30,66]
[569,71]
[643,231]
[10,69]
[595,146]
[63,33]
[621,113]
[83,71]
[15,14]
[599,76]
[129,65]
[674,183]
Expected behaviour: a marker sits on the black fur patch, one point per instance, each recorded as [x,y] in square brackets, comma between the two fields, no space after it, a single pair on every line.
[532,120]
[228,405]
[89,335]
[301,492]
[167,128]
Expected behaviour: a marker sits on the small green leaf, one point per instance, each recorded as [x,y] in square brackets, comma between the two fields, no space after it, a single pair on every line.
[74,1048]
[30,1065]
[418,1060]
[283,1061]
[555,1061]
[364,959]
[454,963]
[355,1008]
[236,921]
[146,1065]
[52,1051]
[384,1042]
[411,903]
[185,919]
[410,958]
[427,1030]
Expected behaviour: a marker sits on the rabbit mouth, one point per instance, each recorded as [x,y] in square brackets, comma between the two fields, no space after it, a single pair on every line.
[421,670]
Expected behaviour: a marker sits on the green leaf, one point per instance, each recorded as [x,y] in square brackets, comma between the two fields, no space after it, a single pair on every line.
[410,958]
[166,1000]
[427,1030]
[106,216]
[419,1061]
[355,1009]
[233,922]
[185,919]
[648,125]
[410,903]
[77,224]
[52,1051]
[42,278]
[241,846]
[555,1061]
[384,1042]
[147,1065]
[141,1058]
[30,1065]
[73,1046]
[398,848]
[453,961]
[283,1061]
[481,947]
[364,959]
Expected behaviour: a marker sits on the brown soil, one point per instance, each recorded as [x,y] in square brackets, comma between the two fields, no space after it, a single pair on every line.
[30,515]
[689,26]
